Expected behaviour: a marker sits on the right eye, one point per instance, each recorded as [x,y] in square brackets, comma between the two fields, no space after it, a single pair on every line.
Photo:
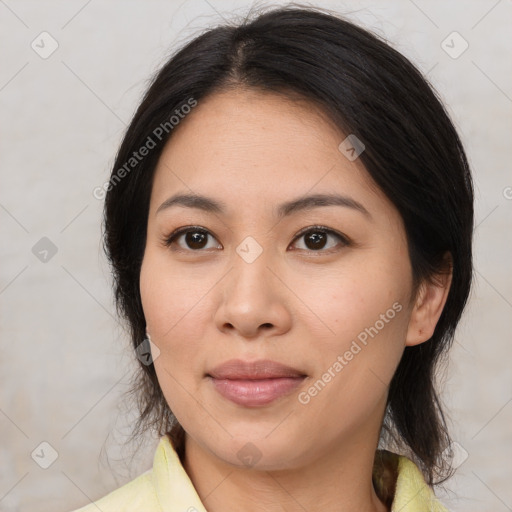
[194,237]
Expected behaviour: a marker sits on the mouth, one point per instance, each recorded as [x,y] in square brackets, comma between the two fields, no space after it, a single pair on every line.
[256,383]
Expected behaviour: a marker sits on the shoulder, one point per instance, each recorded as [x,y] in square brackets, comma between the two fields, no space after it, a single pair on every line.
[401,485]
[412,494]
[138,494]
[166,486]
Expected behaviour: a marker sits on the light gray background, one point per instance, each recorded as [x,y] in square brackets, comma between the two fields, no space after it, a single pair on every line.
[65,362]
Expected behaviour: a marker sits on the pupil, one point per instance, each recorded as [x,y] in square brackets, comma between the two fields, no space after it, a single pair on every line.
[195,239]
[316,238]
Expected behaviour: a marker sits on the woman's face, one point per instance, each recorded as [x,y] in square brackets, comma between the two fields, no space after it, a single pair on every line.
[259,281]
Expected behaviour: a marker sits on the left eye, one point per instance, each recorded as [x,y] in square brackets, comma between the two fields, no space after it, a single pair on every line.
[315,239]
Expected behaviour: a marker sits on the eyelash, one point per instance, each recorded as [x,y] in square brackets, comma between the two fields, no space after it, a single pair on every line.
[169,240]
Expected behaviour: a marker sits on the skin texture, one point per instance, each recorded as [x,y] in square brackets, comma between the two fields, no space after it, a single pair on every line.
[293,304]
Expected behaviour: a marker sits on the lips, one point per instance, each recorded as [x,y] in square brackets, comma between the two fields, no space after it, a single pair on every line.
[254,383]
[252,370]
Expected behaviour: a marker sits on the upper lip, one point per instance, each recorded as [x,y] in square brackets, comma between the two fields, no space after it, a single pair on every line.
[252,370]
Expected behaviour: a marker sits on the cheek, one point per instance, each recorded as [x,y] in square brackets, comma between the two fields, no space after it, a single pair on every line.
[167,295]
[349,299]
[355,359]
[175,307]
[361,311]
[173,310]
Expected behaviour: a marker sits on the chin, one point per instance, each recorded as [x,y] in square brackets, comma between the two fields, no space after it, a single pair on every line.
[254,448]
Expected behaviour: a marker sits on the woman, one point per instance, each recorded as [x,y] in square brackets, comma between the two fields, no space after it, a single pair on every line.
[289,223]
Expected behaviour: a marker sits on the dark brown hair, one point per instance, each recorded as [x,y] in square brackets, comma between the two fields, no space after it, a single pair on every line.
[412,152]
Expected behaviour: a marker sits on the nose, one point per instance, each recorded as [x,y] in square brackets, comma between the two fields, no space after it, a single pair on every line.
[253,301]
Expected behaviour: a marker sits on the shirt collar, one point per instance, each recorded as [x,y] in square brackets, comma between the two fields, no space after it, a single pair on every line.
[176,492]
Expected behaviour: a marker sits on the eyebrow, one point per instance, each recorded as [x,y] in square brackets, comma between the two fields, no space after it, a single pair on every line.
[211,205]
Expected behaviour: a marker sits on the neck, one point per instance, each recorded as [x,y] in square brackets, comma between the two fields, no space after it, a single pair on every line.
[338,479]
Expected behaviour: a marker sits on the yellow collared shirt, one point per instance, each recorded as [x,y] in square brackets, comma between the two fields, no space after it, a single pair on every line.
[166,487]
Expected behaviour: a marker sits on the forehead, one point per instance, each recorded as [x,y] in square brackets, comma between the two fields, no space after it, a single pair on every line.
[258,146]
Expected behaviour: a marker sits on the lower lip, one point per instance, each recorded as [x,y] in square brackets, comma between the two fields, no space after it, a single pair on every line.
[253,393]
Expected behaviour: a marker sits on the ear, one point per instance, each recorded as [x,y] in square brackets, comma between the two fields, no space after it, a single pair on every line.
[430,300]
